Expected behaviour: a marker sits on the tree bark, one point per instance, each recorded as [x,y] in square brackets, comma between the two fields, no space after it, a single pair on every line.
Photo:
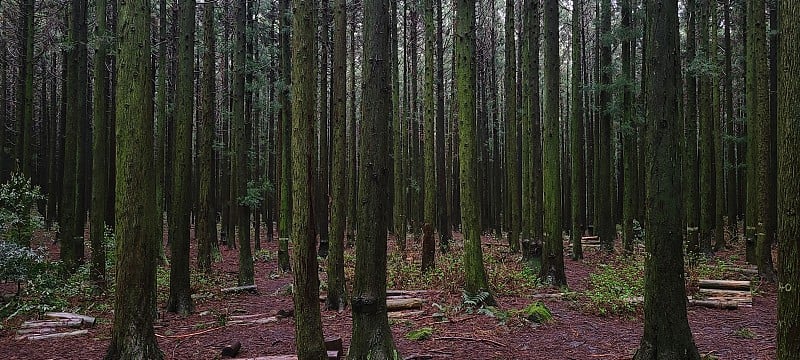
[137,226]
[206,214]
[100,149]
[666,327]
[788,343]
[578,184]
[512,154]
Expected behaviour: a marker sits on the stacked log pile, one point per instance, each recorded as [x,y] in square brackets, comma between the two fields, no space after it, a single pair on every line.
[56,325]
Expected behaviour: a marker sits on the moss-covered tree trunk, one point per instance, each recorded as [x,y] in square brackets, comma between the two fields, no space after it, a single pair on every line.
[138,230]
[442,214]
[513,172]
[99,149]
[604,189]
[628,129]
[576,144]
[666,328]
[372,338]
[352,169]
[429,123]
[285,137]
[323,162]
[337,287]
[308,323]
[180,300]
[71,224]
[475,273]
[399,220]
[241,141]
[788,343]
[691,165]
[552,270]
[206,233]
[532,132]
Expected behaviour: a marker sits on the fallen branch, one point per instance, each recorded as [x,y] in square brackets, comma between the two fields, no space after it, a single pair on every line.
[470,339]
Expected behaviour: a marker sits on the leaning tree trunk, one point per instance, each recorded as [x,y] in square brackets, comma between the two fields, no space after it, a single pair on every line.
[666,327]
[137,225]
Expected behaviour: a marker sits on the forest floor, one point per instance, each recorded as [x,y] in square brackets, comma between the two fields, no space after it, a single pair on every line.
[582,327]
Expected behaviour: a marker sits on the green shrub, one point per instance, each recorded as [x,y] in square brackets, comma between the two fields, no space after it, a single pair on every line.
[420,334]
[18,262]
[18,214]
[614,288]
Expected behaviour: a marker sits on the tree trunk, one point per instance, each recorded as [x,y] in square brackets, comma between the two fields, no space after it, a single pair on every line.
[442,216]
[285,137]
[552,270]
[372,337]
[578,183]
[628,130]
[206,230]
[604,190]
[512,154]
[399,220]
[161,105]
[731,189]
[691,164]
[137,227]
[308,324]
[323,165]
[337,287]
[475,273]
[100,145]
[788,343]
[533,133]
[666,328]
[241,141]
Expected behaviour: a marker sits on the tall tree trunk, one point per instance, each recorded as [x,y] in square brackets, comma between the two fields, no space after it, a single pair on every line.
[5,121]
[691,164]
[337,287]
[323,165]
[26,81]
[285,137]
[308,324]
[206,230]
[100,149]
[399,220]
[578,184]
[718,124]
[138,227]
[731,190]
[788,343]
[604,190]
[352,169]
[552,270]
[372,337]
[429,122]
[442,216]
[666,328]
[241,141]
[475,273]
[533,131]
[512,154]
[628,129]
[161,105]
[706,133]
[71,233]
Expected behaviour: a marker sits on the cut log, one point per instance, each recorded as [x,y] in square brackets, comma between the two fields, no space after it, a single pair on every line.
[332,355]
[73,323]
[235,289]
[392,292]
[58,335]
[724,284]
[403,304]
[725,293]
[725,305]
[36,331]
[402,314]
[740,301]
[87,320]
[231,350]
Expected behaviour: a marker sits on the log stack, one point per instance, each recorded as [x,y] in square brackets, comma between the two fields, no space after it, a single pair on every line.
[723,294]
[56,325]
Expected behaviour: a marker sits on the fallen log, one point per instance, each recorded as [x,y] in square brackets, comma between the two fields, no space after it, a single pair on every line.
[402,314]
[392,292]
[57,335]
[714,304]
[332,355]
[724,284]
[87,320]
[36,331]
[73,323]
[740,301]
[403,304]
[235,289]
[724,293]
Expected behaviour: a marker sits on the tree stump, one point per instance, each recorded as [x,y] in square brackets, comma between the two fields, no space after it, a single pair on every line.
[428,248]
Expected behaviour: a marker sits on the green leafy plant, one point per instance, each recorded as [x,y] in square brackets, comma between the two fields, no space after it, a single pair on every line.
[18,214]
[614,288]
[18,262]
[420,334]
